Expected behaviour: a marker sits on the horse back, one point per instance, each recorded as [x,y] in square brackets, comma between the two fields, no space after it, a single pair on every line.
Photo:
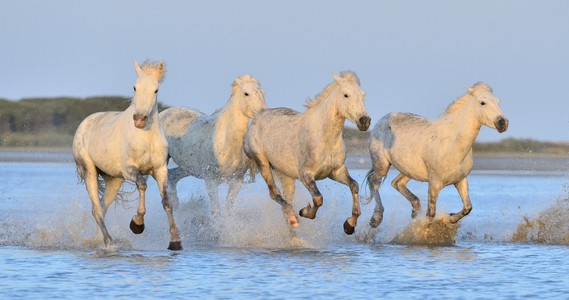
[177,120]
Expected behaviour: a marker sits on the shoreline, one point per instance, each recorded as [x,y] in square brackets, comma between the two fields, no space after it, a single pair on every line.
[482,162]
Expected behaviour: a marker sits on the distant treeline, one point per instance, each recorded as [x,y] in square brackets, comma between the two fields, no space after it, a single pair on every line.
[51,122]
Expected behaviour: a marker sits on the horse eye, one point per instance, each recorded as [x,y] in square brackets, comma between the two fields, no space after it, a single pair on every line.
[246,94]
[134,88]
[482,103]
[346,96]
[156,92]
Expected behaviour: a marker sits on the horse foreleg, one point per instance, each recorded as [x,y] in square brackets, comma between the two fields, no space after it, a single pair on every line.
[211,187]
[161,177]
[234,187]
[462,188]
[341,175]
[174,175]
[274,193]
[400,184]
[137,222]
[310,184]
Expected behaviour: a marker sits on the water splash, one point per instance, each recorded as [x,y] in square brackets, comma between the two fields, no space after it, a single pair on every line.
[550,227]
[422,231]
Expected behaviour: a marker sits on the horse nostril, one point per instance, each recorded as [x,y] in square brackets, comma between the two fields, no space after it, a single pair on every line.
[501,124]
[364,123]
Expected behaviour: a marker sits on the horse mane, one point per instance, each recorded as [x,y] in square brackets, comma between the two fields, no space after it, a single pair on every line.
[462,100]
[154,69]
[349,75]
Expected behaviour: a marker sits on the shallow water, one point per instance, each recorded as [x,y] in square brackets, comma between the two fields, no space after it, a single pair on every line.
[48,247]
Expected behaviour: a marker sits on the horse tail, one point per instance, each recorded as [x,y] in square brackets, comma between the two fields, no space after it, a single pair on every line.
[367,199]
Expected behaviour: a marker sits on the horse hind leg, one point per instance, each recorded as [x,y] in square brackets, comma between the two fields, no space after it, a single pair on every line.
[112,187]
[374,180]
[274,193]
[288,186]
[400,184]
[98,211]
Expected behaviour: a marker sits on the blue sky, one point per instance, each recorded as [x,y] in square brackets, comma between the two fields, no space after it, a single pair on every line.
[412,56]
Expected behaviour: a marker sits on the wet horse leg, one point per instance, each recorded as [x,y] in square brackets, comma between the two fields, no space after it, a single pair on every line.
[434,189]
[400,184]
[341,175]
[137,222]
[161,177]
[92,184]
[234,187]
[310,184]
[211,187]
[112,187]
[374,180]
[462,188]
[266,173]
[288,186]
[174,175]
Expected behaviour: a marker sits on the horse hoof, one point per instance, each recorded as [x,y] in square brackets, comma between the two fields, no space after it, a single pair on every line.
[175,246]
[348,229]
[136,229]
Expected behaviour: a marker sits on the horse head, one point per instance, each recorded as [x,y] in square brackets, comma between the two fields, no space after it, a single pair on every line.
[150,76]
[487,107]
[249,95]
[351,99]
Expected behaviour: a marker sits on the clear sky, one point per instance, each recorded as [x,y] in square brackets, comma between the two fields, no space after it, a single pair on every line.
[412,56]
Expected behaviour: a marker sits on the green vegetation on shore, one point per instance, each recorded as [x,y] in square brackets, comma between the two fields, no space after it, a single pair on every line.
[51,122]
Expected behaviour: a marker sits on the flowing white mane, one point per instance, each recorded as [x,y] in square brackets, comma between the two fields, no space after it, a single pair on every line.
[349,75]
[461,101]
[154,69]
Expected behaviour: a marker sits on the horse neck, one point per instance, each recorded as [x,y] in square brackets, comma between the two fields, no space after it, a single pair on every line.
[465,128]
[231,122]
[326,118]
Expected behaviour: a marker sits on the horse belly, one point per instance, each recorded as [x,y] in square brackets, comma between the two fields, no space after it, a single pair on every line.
[410,166]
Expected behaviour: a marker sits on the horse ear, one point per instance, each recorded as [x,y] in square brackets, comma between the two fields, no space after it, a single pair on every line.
[470,90]
[137,67]
[336,77]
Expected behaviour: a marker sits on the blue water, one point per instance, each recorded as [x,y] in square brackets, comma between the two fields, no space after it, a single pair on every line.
[48,247]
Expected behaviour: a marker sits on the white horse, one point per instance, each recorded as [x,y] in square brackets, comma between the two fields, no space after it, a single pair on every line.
[435,151]
[309,145]
[126,145]
[211,147]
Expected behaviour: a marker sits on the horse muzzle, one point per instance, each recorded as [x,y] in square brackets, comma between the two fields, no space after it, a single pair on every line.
[140,121]
[363,123]
[501,124]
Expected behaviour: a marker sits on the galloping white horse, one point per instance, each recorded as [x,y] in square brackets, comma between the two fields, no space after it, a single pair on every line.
[211,147]
[436,151]
[126,145]
[309,145]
